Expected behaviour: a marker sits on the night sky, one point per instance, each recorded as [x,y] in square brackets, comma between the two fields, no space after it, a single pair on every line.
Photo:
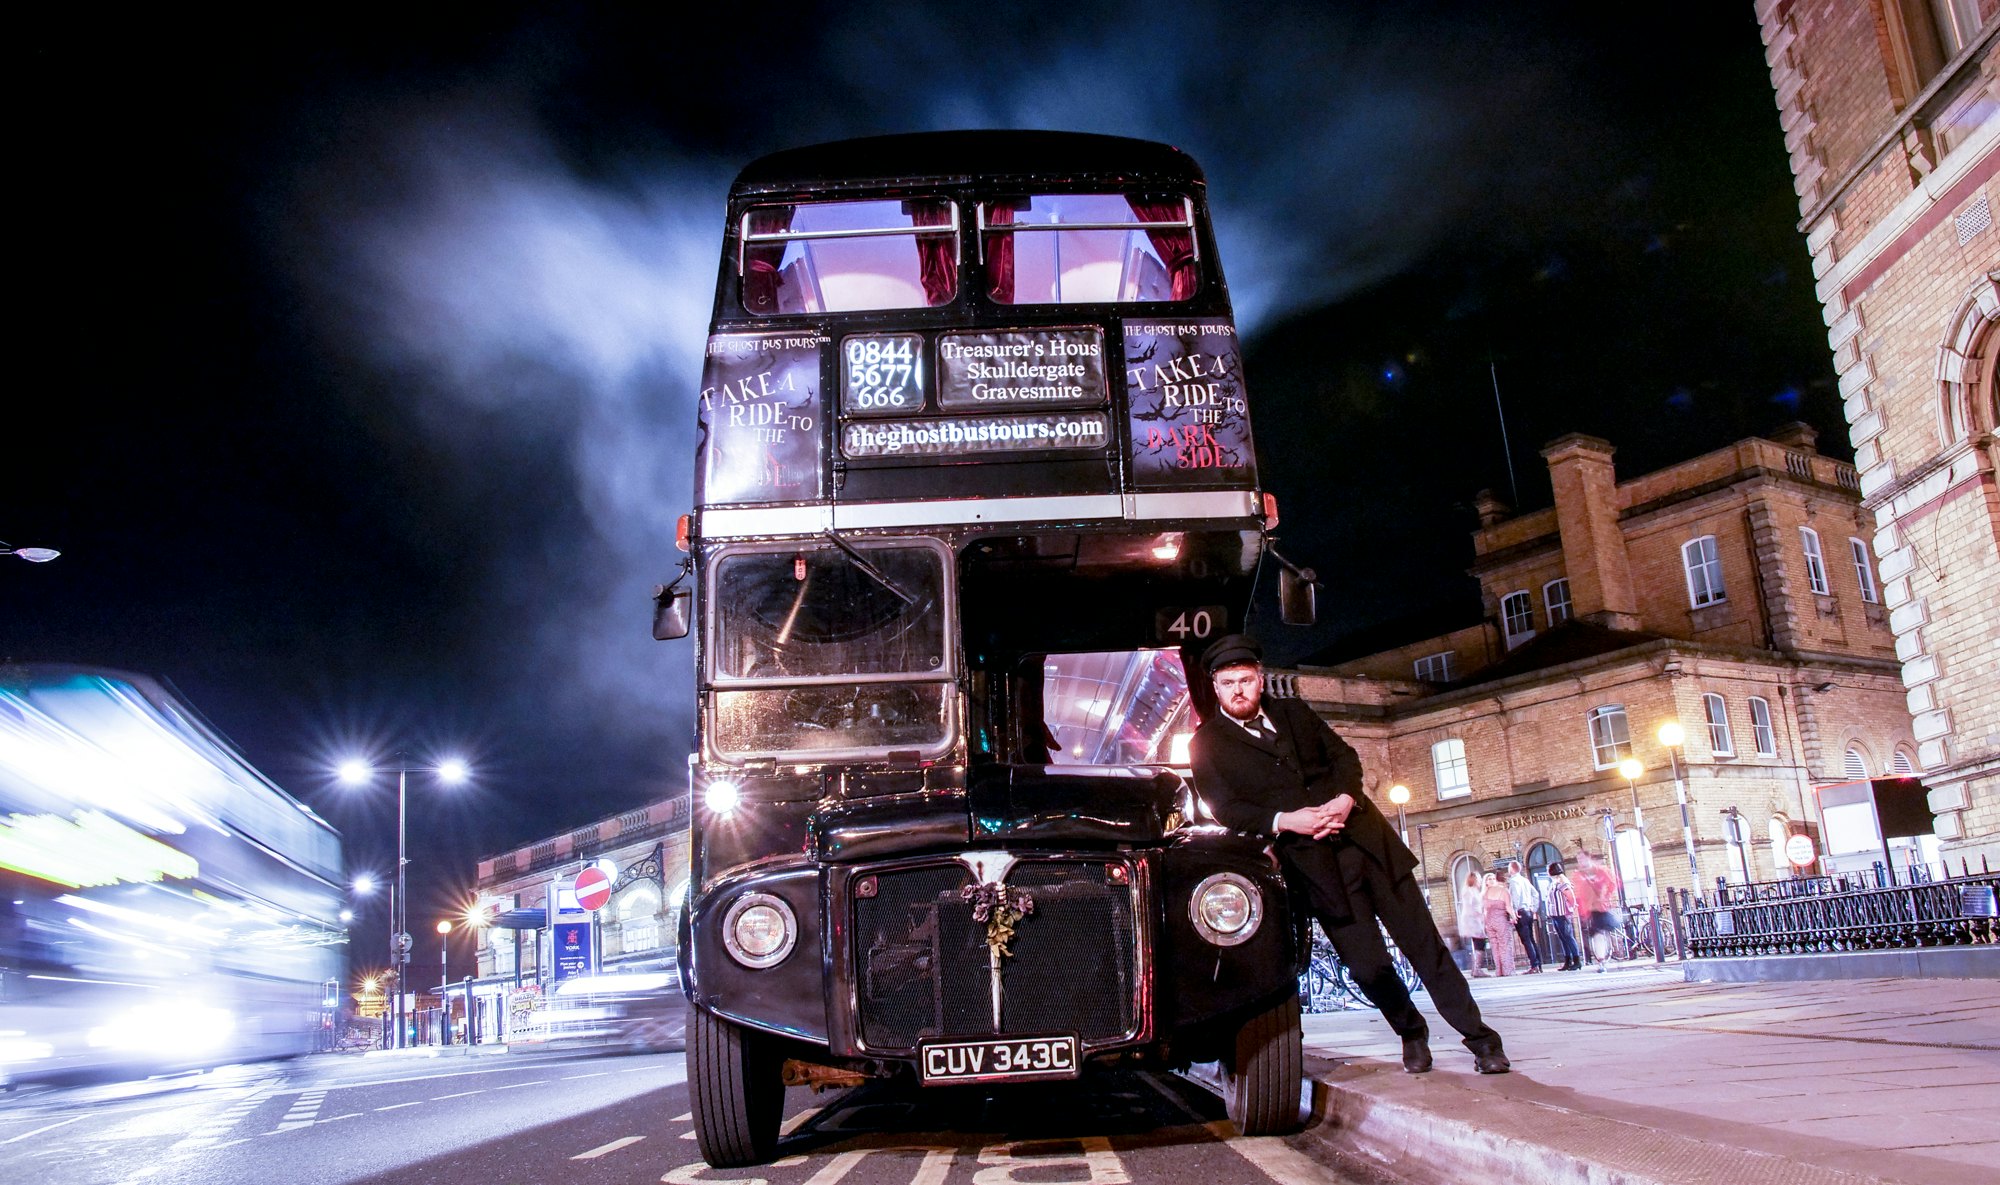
[358,355]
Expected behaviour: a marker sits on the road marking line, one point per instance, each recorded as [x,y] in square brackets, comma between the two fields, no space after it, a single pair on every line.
[797,1121]
[1271,1156]
[574,1077]
[682,1118]
[687,1135]
[461,1094]
[613,1146]
[394,1106]
[519,1085]
[349,1115]
[51,1127]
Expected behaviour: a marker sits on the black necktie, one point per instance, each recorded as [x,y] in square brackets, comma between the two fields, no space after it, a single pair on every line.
[1260,727]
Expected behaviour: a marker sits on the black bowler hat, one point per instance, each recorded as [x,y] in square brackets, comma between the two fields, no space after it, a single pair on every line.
[1231,650]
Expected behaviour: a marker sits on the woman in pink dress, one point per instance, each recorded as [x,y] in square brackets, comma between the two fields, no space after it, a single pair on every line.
[1499,923]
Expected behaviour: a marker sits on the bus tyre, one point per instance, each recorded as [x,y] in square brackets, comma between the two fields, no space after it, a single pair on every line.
[738,1096]
[1261,1080]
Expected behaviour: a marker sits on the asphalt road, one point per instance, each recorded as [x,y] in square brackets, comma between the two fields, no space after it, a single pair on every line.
[525,1119]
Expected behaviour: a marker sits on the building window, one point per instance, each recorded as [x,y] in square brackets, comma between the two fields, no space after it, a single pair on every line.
[1761,733]
[1435,668]
[1704,572]
[1864,570]
[1610,735]
[1856,768]
[1720,742]
[1454,779]
[1901,766]
[1555,600]
[1815,562]
[1517,617]
[1781,830]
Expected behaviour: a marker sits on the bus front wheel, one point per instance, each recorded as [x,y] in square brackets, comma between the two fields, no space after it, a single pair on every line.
[737,1094]
[1261,1080]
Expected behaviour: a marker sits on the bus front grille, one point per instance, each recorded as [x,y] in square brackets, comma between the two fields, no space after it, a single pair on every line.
[924,968]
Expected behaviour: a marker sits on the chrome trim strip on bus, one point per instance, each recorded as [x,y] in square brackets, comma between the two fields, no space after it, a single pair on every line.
[738,522]
[744,238]
[980,228]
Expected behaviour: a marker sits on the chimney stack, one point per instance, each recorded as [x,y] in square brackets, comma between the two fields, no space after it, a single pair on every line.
[1593,546]
[1796,435]
[1489,508]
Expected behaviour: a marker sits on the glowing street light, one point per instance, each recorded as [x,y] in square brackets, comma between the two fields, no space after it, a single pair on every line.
[355,771]
[364,884]
[34,555]
[1400,795]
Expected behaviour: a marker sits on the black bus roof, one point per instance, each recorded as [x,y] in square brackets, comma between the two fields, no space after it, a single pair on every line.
[937,155]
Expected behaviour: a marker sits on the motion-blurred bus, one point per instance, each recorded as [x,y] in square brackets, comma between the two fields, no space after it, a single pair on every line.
[163,906]
[974,486]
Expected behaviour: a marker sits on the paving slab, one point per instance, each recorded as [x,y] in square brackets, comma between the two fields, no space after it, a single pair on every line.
[1638,1076]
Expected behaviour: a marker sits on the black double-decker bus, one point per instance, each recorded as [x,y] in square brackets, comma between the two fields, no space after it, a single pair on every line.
[975,485]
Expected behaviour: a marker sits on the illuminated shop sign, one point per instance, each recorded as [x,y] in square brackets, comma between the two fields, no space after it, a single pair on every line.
[969,435]
[1023,368]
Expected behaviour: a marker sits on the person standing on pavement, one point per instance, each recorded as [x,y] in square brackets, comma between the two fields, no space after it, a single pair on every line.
[1472,919]
[1499,923]
[1597,897]
[1272,767]
[1527,902]
[1562,916]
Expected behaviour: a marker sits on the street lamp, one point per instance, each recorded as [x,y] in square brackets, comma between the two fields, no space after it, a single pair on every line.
[1423,862]
[444,982]
[34,555]
[354,772]
[1672,735]
[1400,795]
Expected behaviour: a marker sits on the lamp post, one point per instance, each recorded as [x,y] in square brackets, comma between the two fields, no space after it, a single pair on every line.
[1400,795]
[1423,862]
[355,772]
[1673,736]
[34,555]
[444,982]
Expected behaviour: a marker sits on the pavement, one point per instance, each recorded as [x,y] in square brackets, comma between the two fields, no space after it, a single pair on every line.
[1636,1076]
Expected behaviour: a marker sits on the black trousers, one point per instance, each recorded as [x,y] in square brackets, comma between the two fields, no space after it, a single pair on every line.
[1399,908]
[1524,925]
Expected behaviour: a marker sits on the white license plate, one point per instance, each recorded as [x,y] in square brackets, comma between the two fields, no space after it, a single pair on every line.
[998,1060]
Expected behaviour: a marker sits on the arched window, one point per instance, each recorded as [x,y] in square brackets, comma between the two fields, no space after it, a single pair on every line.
[1864,570]
[1761,733]
[1610,735]
[636,911]
[1856,765]
[1555,601]
[1704,572]
[1901,765]
[1540,855]
[1815,561]
[1635,865]
[1517,617]
[1781,830]
[1717,713]
[1454,777]
[1462,866]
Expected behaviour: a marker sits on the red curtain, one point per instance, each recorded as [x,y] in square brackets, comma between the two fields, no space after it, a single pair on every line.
[1176,246]
[761,260]
[937,255]
[1000,255]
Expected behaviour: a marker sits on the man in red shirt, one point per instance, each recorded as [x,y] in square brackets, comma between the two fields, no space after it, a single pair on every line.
[1597,899]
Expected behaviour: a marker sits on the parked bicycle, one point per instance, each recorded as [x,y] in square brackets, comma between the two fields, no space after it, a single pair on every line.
[1327,985]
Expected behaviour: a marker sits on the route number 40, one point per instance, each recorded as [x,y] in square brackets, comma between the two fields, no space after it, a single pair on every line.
[1192,624]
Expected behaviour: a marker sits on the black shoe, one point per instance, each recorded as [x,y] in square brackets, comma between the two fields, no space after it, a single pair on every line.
[1491,1063]
[1417,1055]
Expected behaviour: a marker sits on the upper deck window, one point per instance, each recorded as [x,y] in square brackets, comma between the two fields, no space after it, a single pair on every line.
[1089,248]
[846,257]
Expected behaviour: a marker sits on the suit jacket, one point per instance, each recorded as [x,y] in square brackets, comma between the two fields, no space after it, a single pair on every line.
[1244,781]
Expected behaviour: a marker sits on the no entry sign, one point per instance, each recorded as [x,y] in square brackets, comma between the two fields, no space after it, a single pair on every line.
[593,889]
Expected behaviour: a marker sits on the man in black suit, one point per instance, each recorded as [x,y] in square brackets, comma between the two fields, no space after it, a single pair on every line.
[1273,767]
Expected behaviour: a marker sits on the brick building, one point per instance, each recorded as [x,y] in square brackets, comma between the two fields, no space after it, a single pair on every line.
[1888,109]
[637,929]
[1734,593]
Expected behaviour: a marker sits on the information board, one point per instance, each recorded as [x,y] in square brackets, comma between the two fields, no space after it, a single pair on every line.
[1189,420]
[1021,369]
[760,438]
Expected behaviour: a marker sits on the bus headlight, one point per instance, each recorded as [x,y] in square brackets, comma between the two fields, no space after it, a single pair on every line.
[722,797]
[1226,909]
[759,930]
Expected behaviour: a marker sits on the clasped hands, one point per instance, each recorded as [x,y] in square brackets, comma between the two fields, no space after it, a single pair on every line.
[1328,818]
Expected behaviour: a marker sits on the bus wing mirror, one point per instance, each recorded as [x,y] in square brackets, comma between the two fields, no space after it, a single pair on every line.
[672,611]
[1298,594]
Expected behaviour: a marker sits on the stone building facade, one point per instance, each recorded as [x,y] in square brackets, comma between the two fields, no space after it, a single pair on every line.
[1890,117]
[1734,594]
[637,929]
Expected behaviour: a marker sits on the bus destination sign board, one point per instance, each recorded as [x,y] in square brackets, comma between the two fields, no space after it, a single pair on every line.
[1021,369]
